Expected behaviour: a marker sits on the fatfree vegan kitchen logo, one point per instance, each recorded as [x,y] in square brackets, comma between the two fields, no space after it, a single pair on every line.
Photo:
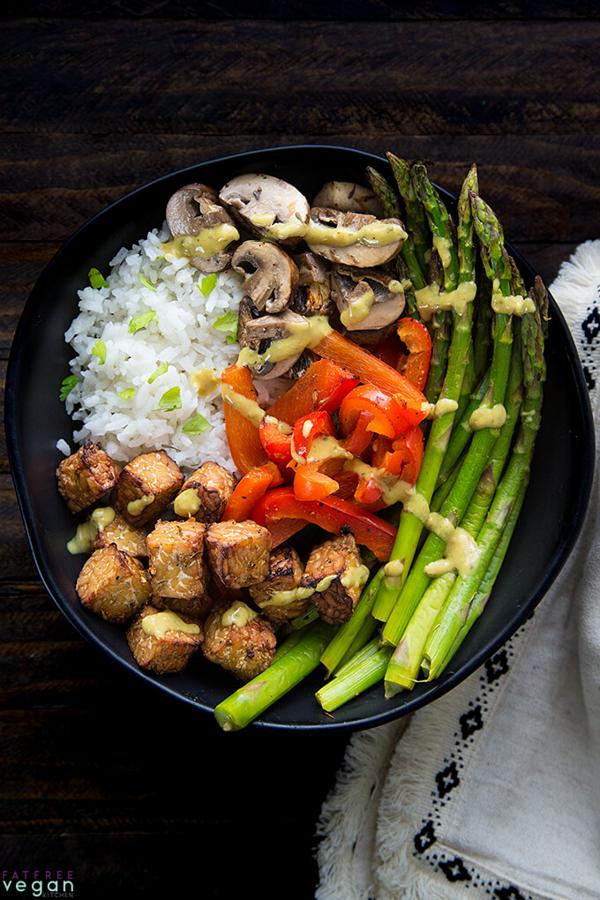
[37,883]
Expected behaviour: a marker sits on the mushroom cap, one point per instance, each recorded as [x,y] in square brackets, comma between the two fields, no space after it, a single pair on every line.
[354,239]
[347,196]
[270,275]
[268,205]
[194,207]
[258,332]
[349,285]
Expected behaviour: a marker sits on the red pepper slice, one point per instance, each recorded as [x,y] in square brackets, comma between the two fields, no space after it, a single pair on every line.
[277,445]
[242,436]
[374,371]
[417,340]
[308,428]
[367,491]
[249,490]
[323,386]
[405,456]
[310,484]
[359,440]
[333,514]
[388,418]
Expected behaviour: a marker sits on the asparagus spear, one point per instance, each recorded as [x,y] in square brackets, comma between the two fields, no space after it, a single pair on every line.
[243,706]
[455,612]
[482,330]
[484,590]
[338,691]
[403,669]
[416,223]
[462,433]
[386,195]
[410,527]
[497,267]
[364,634]
[356,660]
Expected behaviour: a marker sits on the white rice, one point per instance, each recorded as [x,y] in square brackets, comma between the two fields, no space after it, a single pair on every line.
[182,335]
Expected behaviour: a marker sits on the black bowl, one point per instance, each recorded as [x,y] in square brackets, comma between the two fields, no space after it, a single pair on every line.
[550,522]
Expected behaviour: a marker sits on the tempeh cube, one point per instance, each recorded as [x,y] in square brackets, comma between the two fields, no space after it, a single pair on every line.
[113,584]
[85,476]
[178,573]
[238,552]
[127,538]
[239,640]
[280,596]
[205,493]
[335,571]
[146,486]
[163,642]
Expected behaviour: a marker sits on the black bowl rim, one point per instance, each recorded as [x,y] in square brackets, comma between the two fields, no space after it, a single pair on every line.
[557,562]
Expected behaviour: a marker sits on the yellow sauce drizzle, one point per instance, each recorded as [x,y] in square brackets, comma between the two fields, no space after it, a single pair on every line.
[208,242]
[159,623]
[238,614]
[372,234]
[187,503]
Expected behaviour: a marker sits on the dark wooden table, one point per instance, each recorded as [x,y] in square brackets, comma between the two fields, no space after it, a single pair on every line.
[99,774]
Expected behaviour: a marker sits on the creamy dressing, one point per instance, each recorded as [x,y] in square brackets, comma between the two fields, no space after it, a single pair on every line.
[372,234]
[358,310]
[442,245]
[204,381]
[325,446]
[436,410]
[355,577]
[430,298]
[238,614]
[286,598]
[462,555]
[393,489]
[305,334]
[187,503]
[87,532]
[392,572]
[514,305]
[282,427]
[488,417]
[440,525]
[159,623]
[137,507]
[325,583]
[208,242]
[246,407]
[417,504]
[397,287]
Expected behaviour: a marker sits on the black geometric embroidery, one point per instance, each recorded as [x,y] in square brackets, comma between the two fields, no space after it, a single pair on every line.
[589,379]
[470,722]
[447,780]
[425,838]
[496,666]
[508,893]
[454,870]
[591,325]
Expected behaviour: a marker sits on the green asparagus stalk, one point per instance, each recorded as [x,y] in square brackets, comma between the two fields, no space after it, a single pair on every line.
[410,528]
[416,223]
[337,650]
[482,330]
[358,657]
[311,615]
[405,663]
[485,588]
[491,239]
[463,432]
[243,706]
[285,646]
[342,689]
[364,634]
[386,195]
[455,612]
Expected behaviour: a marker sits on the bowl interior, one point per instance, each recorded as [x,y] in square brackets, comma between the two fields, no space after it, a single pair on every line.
[35,420]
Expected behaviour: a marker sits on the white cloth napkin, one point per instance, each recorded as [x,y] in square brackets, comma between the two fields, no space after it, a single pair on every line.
[493,791]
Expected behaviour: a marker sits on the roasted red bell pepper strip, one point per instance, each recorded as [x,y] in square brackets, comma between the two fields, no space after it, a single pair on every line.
[405,456]
[285,529]
[367,491]
[416,339]
[310,484]
[277,444]
[250,489]
[323,386]
[360,438]
[333,514]
[245,447]
[308,428]
[388,418]
[374,371]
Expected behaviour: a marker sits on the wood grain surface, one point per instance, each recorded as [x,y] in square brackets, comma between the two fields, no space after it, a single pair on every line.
[101,775]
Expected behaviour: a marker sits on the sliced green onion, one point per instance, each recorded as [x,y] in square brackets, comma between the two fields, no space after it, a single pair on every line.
[162,369]
[139,322]
[196,425]
[67,385]
[207,284]
[170,400]
[146,282]
[99,351]
[126,393]
[228,323]
[97,279]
